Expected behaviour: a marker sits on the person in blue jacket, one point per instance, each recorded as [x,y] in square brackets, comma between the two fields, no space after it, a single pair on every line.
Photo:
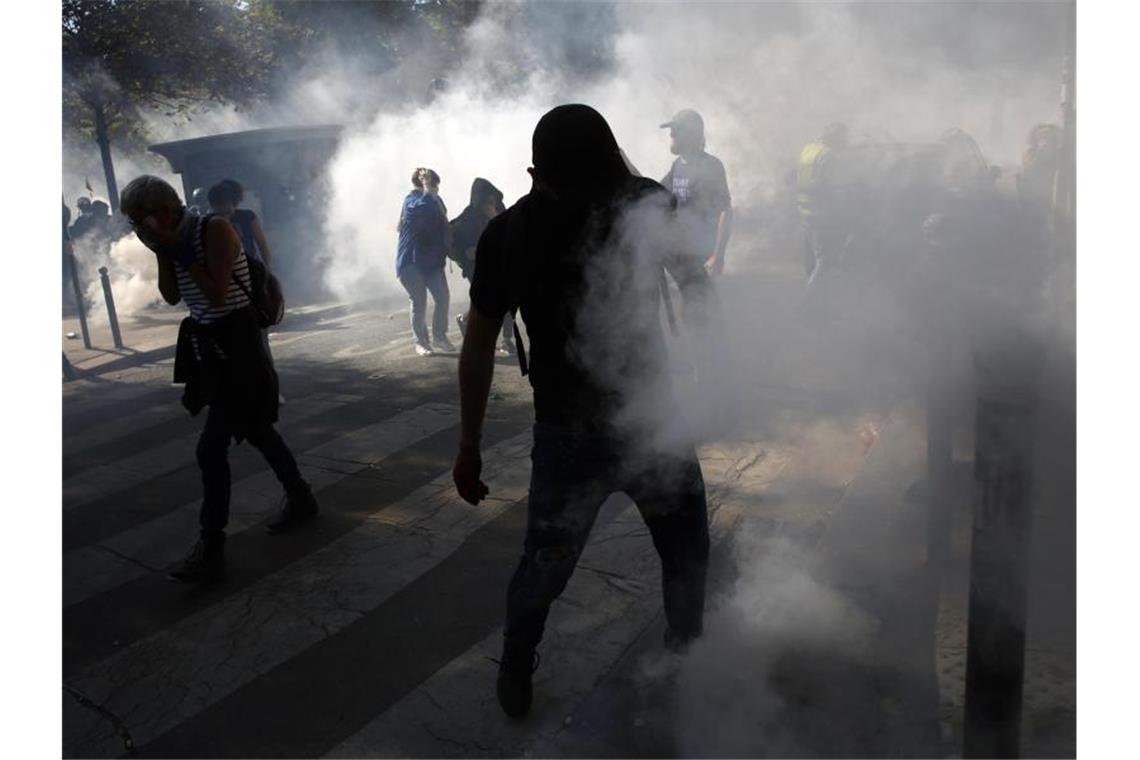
[420,256]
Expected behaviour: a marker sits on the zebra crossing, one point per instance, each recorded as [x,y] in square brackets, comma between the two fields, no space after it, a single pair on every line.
[375,632]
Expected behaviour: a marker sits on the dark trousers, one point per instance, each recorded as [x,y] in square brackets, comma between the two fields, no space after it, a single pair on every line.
[214,461]
[571,476]
[419,283]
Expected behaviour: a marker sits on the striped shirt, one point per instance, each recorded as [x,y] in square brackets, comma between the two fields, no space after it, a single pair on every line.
[192,232]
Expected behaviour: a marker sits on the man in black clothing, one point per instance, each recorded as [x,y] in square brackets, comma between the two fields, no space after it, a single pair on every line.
[698,180]
[581,257]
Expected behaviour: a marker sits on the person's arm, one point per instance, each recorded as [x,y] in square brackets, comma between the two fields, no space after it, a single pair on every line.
[222,246]
[476,370]
[168,280]
[489,302]
[715,264]
[262,242]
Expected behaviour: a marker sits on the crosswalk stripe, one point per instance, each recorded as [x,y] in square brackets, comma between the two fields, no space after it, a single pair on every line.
[102,480]
[612,596]
[147,547]
[159,682]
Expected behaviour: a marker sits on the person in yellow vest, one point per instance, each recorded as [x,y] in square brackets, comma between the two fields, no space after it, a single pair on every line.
[816,197]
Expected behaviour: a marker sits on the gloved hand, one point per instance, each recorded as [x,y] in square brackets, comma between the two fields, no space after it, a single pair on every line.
[465,473]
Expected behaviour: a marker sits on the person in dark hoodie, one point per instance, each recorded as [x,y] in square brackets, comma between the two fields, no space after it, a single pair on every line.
[486,203]
[581,256]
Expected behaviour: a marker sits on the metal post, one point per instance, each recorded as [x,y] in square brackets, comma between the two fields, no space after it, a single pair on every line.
[110,300]
[939,460]
[69,372]
[80,308]
[1003,481]
[939,443]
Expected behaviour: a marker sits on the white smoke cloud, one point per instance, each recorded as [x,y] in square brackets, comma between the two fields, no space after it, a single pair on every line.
[766,78]
[131,269]
[736,694]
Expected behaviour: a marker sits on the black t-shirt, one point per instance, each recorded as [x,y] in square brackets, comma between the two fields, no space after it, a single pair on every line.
[701,187]
[587,286]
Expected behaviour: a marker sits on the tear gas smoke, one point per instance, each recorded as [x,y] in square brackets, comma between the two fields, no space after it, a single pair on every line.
[736,695]
[766,78]
[131,270]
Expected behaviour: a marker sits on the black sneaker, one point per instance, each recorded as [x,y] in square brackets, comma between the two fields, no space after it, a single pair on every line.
[513,686]
[300,506]
[206,562]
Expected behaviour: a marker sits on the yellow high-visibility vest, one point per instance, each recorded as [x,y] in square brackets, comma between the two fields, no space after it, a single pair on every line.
[805,174]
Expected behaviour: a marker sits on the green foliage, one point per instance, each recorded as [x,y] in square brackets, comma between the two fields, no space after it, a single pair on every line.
[175,56]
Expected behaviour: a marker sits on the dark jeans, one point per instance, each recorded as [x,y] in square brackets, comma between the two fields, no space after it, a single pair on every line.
[418,283]
[571,476]
[214,461]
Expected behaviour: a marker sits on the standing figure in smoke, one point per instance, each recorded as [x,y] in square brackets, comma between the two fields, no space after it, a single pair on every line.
[221,359]
[420,257]
[224,198]
[199,201]
[580,256]
[486,203]
[818,199]
[699,182]
[86,219]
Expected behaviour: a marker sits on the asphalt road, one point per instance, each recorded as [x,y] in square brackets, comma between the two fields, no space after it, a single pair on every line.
[374,632]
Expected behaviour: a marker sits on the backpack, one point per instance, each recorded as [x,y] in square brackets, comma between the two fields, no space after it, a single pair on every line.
[264,293]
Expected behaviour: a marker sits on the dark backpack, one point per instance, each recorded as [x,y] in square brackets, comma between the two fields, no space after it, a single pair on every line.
[264,293]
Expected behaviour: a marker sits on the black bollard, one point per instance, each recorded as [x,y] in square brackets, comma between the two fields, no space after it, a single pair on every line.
[1003,510]
[80,308]
[116,336]
[939,455]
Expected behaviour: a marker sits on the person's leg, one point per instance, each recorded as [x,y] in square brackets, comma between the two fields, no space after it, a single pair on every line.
[671,498]
[508,343]
[300,504]
[413,282]
[276,452]
[567,488]
[214,462]
[206,560]
[436,282]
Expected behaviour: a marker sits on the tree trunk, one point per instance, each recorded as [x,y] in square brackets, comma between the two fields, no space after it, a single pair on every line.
[105,152]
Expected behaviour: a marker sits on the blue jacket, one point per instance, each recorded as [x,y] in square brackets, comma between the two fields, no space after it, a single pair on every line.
[423,233]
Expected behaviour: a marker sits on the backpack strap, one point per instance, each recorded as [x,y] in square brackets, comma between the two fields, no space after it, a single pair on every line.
[233,276]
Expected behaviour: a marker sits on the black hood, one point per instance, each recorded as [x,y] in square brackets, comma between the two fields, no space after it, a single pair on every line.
[482,189]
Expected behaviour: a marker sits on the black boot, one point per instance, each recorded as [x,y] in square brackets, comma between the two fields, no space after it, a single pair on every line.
[514,686]
[300,506]
[206,562]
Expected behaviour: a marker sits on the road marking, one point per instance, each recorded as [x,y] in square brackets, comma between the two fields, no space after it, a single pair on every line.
[612,596]
[103,480]
[158,682]
[154,544]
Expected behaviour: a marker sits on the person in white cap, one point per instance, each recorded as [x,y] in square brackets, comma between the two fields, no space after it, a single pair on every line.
[699,182]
